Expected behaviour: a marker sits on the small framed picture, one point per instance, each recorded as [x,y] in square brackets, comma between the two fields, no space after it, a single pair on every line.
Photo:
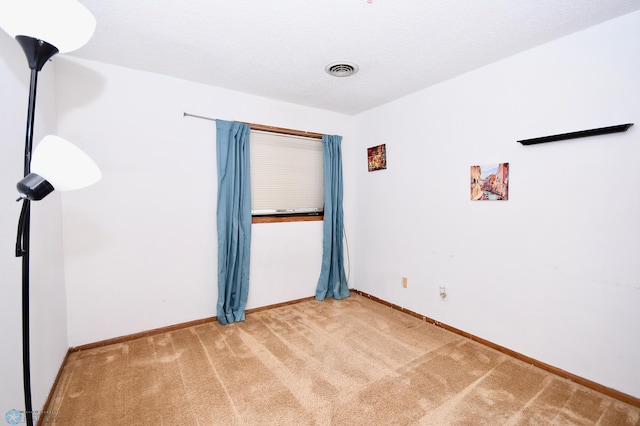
[490,182]
[377,157]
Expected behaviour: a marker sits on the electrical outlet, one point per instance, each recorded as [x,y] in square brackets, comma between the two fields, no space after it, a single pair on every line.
[443,293]
[405,282]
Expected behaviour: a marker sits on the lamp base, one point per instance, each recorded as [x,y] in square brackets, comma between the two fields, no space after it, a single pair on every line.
[38,51]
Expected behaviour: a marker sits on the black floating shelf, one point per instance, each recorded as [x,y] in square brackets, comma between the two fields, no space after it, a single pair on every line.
[580,134]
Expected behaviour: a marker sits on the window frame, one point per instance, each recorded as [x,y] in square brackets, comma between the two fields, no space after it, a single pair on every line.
[297,217]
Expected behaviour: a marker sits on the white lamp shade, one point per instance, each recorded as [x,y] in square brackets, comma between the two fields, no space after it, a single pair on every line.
[63,164]
[65,24]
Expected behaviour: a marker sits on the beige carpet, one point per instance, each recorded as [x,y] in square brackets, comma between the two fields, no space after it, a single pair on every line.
[348,362]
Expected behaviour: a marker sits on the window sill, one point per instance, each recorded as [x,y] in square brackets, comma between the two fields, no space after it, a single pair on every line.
[285,218]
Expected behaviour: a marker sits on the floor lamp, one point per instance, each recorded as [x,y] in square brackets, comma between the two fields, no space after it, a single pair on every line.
[44,28]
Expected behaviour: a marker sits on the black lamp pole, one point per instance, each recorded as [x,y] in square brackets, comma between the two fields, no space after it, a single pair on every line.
[38,52]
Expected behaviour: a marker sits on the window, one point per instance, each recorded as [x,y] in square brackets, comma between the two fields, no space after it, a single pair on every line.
[286,177]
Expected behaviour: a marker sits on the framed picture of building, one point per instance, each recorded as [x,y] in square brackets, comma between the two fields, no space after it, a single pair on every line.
[490,182]
[377,157]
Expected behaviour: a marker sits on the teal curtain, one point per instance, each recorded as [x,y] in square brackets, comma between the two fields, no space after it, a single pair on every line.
[233,219]
[332,281]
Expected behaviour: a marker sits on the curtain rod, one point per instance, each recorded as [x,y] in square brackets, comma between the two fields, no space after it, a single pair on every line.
[186,114]
[265,128]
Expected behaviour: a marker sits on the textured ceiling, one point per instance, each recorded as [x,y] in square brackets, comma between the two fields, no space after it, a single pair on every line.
[279,48]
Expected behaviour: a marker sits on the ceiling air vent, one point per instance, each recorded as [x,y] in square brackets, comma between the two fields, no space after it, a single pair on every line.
[341,69]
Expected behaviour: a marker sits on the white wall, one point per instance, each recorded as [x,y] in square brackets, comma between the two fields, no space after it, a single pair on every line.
[140,246]
[48,299]
[551,273]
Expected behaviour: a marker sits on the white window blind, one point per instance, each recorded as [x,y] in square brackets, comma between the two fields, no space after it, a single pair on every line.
[286,174]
